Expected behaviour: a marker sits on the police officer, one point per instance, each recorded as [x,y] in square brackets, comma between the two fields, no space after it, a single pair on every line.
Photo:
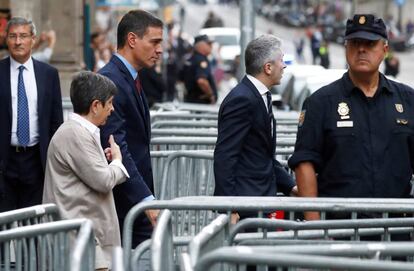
[355,135]
[198,77]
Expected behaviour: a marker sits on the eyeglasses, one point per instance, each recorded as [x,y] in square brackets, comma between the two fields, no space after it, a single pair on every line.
[23,36]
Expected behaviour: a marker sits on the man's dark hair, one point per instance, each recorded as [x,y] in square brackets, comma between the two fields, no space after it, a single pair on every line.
[136,21]
[87,87]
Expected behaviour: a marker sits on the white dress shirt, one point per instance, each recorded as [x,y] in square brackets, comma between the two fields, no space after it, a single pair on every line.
[260,87]
[31,93]
[95,131]
[262,90]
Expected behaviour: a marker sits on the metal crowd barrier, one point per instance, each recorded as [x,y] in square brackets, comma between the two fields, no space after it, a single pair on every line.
[189,107]
[29,216]
[67,107]
[117,259]
[240,256]
[162,251]
[49,246]
[182,143]
[377,226]
[196,212]
[168,124]
[209,238]
[188,173]
[284,146]
[212,132]
[181,115]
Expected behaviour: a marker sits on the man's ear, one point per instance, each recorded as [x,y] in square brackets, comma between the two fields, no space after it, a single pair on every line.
[267,68]
[94,107]
[131,39]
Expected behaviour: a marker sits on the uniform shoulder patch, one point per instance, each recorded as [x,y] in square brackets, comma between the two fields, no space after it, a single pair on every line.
[203,64]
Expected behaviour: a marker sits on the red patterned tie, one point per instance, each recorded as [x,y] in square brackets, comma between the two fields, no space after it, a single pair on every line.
[138,85]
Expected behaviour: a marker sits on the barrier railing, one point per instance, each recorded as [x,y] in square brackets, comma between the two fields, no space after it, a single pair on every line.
[48,246]
[188,173]
[382,225]
[29,216]
[196,212]
[242,256]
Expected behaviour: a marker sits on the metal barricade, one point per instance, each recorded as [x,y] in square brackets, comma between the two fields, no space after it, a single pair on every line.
[209,238]
[284,146]
[212,132]
[29,216]
[49,246]
[239,257]
[67,107]
[196,212]
[189,107]
[162,250]
[184,124]
[374,226]
[182,143]
[117,260]
[158,159]
[188,173]
[181,115]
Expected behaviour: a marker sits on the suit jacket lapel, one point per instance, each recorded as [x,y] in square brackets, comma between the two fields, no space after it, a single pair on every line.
[265,112]
[40,84]
[136,98]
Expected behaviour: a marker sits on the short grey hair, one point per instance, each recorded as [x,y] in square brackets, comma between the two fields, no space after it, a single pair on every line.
[264,49]
[87,87]
[21,21]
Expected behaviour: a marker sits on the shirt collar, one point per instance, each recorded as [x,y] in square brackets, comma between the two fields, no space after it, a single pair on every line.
[92,128]
[259,85]
[128,65]
[383,84]
[28,65]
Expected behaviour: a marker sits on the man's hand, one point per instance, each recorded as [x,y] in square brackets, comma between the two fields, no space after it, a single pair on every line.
[234,218]
[113,151]
[152,216]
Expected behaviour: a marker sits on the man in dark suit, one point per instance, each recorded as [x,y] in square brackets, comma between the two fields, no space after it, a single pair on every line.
[30,113]
[244,163]
[139,46]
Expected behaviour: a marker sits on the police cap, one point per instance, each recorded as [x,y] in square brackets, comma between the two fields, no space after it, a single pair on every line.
[202,38]
[365,26]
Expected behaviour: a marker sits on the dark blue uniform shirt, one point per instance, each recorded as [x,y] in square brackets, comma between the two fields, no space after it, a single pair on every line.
[198,66]
[359,146]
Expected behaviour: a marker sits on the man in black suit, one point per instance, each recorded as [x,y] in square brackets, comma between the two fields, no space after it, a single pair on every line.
[244,158]
[139,46]
[30,113]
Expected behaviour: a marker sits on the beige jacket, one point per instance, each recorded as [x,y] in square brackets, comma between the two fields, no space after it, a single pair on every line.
[79,181]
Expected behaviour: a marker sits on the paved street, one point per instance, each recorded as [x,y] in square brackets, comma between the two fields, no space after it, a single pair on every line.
[196,14]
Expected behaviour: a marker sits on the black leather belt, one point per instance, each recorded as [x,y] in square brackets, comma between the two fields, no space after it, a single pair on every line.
[23,148]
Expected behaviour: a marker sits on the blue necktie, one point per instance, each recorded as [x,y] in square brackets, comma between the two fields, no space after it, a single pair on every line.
[23,127]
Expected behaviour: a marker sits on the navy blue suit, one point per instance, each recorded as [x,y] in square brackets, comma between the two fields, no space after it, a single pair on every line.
[50,116]
[130,126]
[244,163]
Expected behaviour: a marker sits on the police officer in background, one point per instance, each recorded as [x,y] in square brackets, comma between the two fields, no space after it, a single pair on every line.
[356,135]
[197,74]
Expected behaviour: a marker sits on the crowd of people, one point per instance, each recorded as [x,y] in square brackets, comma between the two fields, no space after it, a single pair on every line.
[355,136]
